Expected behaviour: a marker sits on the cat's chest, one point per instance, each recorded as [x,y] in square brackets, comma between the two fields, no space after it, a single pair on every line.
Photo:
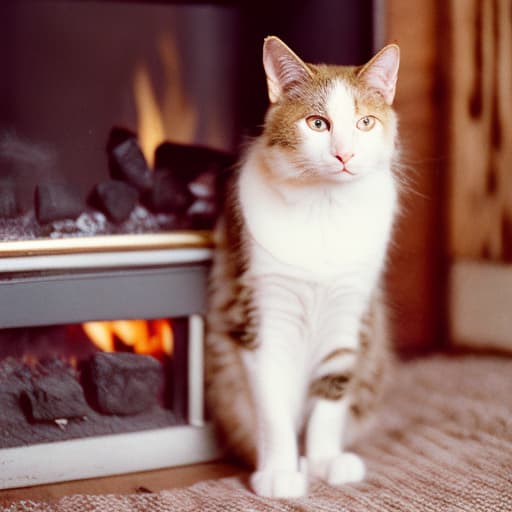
[321,232]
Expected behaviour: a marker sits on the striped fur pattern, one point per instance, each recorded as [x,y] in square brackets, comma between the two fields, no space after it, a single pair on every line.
[297,336]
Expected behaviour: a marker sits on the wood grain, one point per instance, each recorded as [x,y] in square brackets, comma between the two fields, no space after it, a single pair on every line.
[415,276]
[150,481]
[480,177]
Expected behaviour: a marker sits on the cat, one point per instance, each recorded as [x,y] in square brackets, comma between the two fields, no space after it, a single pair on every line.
[297,341]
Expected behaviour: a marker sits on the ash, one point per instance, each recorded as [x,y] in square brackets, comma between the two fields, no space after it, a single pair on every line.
[24,227]
[89,223]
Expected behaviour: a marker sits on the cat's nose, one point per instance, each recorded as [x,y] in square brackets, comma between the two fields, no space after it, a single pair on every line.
[345,157]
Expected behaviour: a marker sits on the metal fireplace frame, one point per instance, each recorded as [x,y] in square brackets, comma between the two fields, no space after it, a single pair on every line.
[73,272]
[48,282]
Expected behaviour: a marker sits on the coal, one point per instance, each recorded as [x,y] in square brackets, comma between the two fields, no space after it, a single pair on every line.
[57,201]
[116,199]
[9,201]
[127,163]
[204,186]
[117,136]
[187,162]
[168,195]
[202,214]
[123,383]
[15,379]
[53,397]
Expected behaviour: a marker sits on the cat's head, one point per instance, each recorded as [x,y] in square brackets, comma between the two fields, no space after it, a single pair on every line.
[330,122]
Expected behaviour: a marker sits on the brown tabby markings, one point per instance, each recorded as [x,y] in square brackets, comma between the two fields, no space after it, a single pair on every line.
[310,97]
[338,353]
[365,381]
[372,369]
[331,387]
[238,313]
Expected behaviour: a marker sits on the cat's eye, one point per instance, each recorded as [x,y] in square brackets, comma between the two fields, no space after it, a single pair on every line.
[318,123]
[366,123]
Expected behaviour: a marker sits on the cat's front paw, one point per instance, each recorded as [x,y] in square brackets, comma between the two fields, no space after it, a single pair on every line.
[279,484]
[344,468]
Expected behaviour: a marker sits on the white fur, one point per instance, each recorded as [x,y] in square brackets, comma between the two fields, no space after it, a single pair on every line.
[316,254]
[371,149]
[335,226]
[326,425]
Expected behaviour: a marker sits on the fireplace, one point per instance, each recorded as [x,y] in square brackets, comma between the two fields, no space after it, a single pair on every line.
[111,149]
[119,122]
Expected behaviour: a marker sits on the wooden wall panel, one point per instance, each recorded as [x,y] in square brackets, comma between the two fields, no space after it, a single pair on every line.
[480,173]
[415,282]
[480,185]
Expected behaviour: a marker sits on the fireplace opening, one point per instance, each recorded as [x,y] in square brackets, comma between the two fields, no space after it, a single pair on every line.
[114,120]
[116,395]
[72,381]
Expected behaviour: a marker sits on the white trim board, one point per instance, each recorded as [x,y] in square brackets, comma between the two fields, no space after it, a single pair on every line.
[106,455]
[481,305]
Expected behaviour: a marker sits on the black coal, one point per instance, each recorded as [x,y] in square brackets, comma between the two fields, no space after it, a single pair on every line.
[181,192]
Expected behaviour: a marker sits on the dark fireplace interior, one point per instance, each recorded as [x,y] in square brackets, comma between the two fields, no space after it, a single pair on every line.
[95,378]
[114,119]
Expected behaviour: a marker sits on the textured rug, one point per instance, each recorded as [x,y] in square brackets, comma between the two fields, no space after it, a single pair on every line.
[444,444]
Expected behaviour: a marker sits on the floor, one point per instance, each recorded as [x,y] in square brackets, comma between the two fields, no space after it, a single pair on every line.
[149,481]
[444,442]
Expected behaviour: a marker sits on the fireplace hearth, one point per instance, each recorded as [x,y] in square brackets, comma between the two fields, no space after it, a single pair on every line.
[72,332]
[53,374]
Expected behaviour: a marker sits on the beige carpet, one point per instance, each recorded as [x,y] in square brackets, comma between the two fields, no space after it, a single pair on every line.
[444,444]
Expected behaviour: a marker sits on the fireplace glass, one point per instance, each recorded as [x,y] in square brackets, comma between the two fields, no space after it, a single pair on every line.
[94,378]
[116,117]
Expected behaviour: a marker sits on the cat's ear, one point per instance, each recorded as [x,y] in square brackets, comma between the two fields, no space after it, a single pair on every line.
[282,67]
[381,72]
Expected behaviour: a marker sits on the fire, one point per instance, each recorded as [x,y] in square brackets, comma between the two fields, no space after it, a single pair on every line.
[174,118]
[151,337]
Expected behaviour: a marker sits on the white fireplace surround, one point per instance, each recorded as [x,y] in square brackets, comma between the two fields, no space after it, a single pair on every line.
[128,452]
[106,455]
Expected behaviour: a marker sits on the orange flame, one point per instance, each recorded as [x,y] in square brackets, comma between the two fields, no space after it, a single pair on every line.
[151,337]
[174,118]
